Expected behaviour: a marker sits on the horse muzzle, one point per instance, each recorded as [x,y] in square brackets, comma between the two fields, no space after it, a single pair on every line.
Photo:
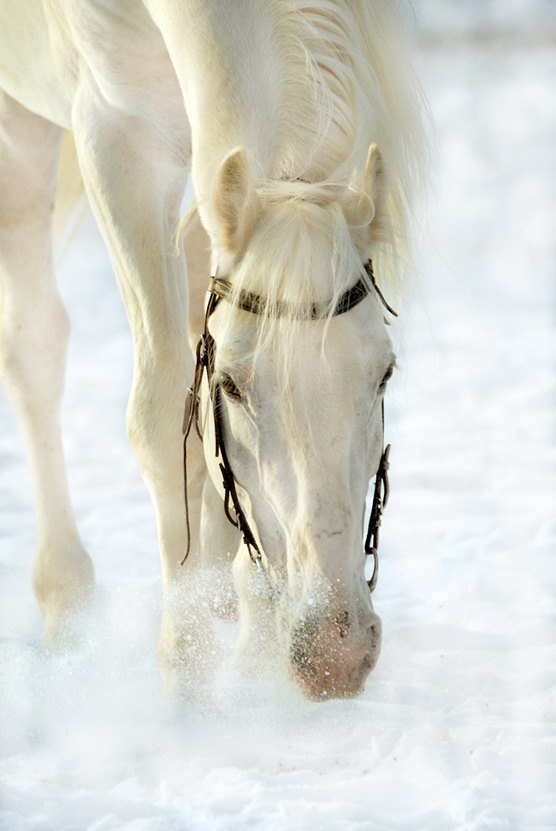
[332,658]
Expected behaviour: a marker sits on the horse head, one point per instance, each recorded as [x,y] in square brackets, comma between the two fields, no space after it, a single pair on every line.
[297,382]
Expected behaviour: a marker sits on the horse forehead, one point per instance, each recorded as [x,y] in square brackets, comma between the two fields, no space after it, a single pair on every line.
[312,353]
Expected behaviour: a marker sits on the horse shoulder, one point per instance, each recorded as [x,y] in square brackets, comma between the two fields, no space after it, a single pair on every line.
[28,71]
[122,56]
[52,51]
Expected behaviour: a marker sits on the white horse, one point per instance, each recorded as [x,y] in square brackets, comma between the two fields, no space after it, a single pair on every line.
[276,107]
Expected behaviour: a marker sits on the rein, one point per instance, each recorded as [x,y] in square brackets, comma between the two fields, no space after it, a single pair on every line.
[220,289]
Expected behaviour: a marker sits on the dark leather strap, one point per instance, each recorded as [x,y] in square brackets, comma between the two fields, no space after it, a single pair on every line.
[380,500]
[205,359]
[254,303]
[229,482]
[371,275]
[251,302]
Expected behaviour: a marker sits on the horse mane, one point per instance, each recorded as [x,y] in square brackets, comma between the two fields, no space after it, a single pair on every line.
[350,84]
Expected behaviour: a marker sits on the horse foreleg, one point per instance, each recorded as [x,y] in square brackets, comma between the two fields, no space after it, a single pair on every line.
[33,337]
[135,180]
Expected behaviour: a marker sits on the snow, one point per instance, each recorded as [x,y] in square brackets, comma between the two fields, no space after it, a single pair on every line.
[455,729]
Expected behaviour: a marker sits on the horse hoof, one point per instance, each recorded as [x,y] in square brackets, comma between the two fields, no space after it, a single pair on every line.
[64,629]
[65,599]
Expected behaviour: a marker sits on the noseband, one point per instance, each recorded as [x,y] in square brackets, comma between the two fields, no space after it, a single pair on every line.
[218,290]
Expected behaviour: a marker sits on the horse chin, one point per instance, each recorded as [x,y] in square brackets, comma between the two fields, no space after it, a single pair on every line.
[335,663]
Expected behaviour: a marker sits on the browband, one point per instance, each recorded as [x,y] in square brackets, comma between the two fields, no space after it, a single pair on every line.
[251,302]
[254,303]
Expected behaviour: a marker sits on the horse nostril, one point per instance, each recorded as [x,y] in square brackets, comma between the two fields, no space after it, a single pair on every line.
[343,623]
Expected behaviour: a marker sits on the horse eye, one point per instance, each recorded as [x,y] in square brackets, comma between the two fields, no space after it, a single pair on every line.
[231,390]
[388,374]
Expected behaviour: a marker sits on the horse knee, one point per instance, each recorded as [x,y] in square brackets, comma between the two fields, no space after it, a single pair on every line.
[142,434]
[155,414]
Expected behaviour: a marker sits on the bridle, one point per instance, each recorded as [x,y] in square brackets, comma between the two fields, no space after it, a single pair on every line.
[220,289]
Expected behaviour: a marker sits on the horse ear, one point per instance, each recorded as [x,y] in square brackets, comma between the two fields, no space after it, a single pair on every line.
[235,201]
[362,204]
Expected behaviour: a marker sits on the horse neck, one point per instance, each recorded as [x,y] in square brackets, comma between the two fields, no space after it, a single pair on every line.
[243,70]
[226,57]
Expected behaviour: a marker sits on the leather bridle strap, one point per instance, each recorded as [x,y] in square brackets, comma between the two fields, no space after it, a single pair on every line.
[229,483]
[220,289]
[205,363]
[254,303]
[251,302]
[380,500]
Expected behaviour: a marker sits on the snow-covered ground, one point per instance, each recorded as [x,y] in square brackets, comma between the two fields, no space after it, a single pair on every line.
[455,730]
